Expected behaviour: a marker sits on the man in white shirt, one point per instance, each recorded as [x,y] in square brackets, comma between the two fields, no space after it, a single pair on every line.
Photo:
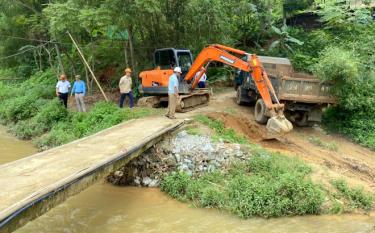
[173,92]
[202,80]
[62,89]
[125,86]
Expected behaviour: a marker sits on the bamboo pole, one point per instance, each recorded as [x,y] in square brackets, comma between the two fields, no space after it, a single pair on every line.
[87,65]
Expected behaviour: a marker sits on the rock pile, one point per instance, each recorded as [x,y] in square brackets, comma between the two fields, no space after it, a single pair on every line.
[193,154]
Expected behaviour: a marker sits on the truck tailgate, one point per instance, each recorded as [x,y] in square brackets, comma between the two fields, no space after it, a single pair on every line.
[304,88]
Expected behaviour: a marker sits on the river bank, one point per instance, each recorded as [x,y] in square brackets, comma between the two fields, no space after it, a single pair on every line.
[211,166]
[107,208]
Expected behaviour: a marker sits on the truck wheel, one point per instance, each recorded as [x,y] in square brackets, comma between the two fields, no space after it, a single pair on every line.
[260,112]
[239,98]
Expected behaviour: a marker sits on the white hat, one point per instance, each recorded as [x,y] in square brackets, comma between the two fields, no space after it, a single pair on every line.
[177,70]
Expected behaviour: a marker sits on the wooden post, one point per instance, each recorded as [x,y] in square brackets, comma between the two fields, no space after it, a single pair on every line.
[88,66]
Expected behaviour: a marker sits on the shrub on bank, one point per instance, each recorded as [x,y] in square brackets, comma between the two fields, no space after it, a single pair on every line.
[77,125]
[357,197]
[268,185]
[354,87]
[49,113]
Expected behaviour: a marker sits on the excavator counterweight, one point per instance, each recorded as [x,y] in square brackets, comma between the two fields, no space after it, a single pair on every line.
[155,82]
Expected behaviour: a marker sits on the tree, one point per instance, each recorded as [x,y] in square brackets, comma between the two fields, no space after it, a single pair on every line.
[284,41]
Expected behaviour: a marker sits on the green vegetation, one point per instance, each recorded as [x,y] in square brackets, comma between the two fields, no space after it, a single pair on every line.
[356,197]
[77,125]
[193,130]
[268,185]
[220,132]
[341,52]
[354,85]
[327,145]
[33,112]
[337,42]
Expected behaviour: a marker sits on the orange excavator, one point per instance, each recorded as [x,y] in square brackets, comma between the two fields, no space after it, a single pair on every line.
[155,82]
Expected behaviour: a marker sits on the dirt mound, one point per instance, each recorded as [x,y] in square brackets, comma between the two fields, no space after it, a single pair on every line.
[250,129]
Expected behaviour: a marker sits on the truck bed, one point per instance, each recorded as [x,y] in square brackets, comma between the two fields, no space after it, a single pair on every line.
[302,88]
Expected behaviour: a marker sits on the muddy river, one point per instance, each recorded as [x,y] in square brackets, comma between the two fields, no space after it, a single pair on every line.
[105,208]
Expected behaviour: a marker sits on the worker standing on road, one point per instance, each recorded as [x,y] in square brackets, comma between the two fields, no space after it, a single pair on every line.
[202,80]
[173,92]
[79,92]
[126,88]
[62,90]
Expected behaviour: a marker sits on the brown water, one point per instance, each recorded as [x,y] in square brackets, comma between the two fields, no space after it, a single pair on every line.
[12,149]
[106,208]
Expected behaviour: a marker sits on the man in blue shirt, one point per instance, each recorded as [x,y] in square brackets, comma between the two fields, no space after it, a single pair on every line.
[79,92]
[173,92]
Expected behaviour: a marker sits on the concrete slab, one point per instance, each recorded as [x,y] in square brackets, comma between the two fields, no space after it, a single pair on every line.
[66,170]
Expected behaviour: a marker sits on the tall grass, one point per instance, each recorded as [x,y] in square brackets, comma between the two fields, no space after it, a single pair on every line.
[268,185]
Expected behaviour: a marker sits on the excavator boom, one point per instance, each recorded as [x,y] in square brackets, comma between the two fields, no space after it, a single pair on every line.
[221,54]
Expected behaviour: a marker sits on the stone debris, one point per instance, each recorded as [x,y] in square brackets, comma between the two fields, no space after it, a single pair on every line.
[192,154]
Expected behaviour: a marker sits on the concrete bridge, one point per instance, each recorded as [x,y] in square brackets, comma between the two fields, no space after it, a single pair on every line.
[31,186]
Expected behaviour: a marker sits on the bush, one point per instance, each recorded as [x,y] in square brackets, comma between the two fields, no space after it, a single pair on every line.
[286,195]
[356,105]
[268,185]
[74,125]
[175,185]
[6,91]
[339,66]
[306,56]
[357,197]
[19,108]
[59,135]
[49,114]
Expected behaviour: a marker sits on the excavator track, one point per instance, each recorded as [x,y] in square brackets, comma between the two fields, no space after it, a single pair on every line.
[196,99]
[185,103]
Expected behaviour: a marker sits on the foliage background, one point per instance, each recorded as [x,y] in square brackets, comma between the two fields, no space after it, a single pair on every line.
[337,43]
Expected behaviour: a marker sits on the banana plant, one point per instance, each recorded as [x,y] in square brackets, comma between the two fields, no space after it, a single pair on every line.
[284,41]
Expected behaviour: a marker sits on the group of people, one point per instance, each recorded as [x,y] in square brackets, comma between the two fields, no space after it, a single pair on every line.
[78,90]
[125,85]
[63,88]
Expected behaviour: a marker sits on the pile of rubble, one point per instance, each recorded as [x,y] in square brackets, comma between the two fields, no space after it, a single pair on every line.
[192,154]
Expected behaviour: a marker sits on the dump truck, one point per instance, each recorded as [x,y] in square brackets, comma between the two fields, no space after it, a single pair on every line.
[304,96]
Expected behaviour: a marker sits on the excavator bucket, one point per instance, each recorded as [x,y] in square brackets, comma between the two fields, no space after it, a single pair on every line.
[277,126]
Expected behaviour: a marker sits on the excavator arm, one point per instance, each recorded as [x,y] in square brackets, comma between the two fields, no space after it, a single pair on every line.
[278,123]
[221,53]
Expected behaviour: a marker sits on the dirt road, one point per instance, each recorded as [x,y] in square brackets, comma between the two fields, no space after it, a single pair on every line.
[331,156]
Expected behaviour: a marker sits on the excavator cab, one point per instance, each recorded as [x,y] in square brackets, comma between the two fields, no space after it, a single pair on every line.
[168,58]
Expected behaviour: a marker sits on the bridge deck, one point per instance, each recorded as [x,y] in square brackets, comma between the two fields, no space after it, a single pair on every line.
[31,180]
